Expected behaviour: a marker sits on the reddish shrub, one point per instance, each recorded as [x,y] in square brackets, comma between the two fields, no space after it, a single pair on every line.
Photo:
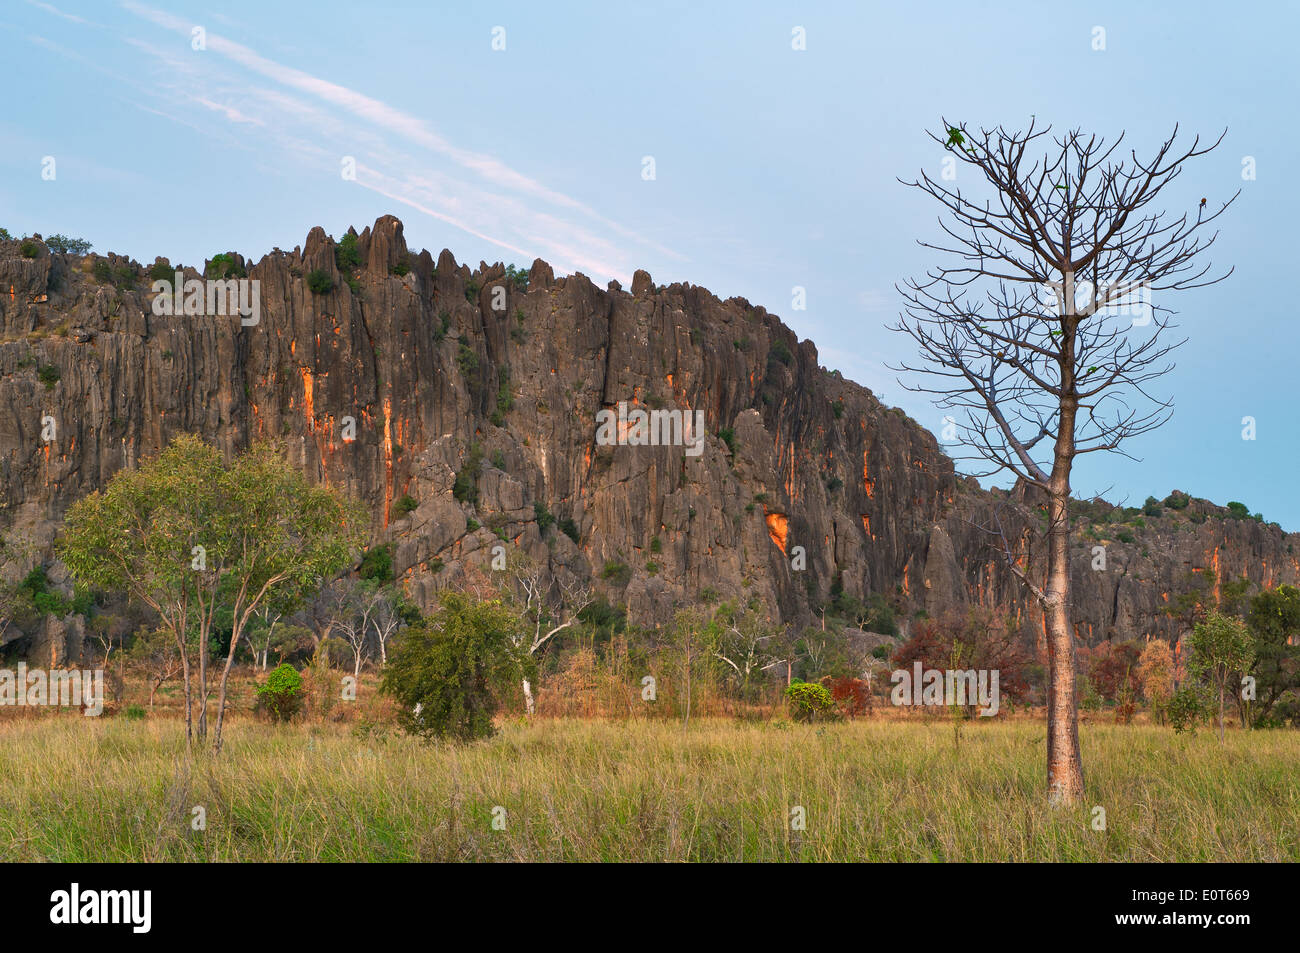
[850,694]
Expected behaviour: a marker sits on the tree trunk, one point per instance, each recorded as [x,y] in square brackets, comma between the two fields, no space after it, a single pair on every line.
[1221,686]
[1064,764]
[528,697]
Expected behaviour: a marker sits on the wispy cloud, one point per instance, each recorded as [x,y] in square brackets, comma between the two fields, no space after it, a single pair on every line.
[474,191]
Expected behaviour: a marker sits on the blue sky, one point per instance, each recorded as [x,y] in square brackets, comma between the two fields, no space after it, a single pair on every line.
[774,167]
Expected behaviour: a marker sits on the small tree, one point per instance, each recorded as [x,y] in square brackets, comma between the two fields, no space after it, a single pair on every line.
[1274,622]
[445,670]
[1155,672]
[281,695]
[1221,647]
[196,539]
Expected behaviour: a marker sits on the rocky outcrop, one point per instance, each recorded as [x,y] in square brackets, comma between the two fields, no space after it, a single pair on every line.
[409,370]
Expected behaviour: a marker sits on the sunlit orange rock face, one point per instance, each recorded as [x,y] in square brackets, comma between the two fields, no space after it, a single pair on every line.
[778,527]
[432,379]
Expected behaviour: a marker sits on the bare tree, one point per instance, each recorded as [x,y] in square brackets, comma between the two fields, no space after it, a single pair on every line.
[1031,332]
[746,646]
[385,620]
[547,602]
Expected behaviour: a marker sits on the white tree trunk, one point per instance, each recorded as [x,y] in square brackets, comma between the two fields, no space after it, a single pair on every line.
[528,696]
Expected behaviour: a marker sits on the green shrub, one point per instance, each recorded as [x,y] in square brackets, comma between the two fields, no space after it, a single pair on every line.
[377,563]
[444,671]
[1238,511]
[728,436]
[543,516]
[1177,500]
[319,281]
[402,268]
[281,695]
[466,359]
[223,266]
[618,573]
[519,276]
[134,712]
[162,271]
[569,528]
[102,270]
[505,400]
[29,248]
[346,254]
[440,330]
[809,701]
[780,352]
[1152,507]
[1185,710]
[465,489]
[67,246]
[48,375]
[471,291]
[405,505]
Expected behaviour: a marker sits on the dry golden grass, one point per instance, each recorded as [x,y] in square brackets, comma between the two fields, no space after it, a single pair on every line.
[111,789]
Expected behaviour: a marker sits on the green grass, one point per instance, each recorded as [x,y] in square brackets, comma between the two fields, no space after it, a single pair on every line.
[77,789]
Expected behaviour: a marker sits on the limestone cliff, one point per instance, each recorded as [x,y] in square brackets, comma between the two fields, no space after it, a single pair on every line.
[437,365]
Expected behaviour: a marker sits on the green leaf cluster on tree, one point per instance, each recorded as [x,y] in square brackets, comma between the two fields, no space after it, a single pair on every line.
[206,543]
[447,670]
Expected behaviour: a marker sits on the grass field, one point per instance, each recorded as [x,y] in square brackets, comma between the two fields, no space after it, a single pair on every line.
[110,789]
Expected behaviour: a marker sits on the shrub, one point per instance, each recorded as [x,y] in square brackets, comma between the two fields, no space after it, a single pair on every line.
[443,670]
[728,436]
[134,712]
[471,290]
[1185,710]
[618,573]
[102,270]
[465,489]
[319,281]
[67,246]
[377,563]
[162,271]
[48,375]
[543,516]
[1177,500]
[850,695]
[569,528]
[466,359]
[346,254]
[1238,511]
[402,268]
[809,701]
[29,248]
[281,695]
[519,276]
[1151,507]
[440,330]
[224,266]
[780,352]
[405,505]
[505,399]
